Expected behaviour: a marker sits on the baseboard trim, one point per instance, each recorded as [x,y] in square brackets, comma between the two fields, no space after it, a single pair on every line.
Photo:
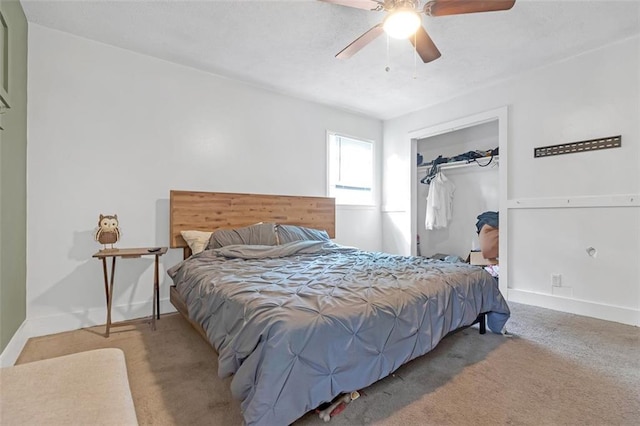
[575,306]
[42,326]
[11,352]
[68,321]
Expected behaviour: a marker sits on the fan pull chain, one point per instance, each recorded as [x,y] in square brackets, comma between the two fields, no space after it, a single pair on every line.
[415,55]
[387,68]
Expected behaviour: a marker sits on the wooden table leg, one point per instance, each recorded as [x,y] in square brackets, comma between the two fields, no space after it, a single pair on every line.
[157,283]
[110,295]
[156,298]
[106,279]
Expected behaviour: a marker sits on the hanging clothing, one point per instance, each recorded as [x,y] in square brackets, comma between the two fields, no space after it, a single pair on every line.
[439,202]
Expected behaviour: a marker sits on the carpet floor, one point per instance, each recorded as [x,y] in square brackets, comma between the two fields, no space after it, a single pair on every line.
[555,369]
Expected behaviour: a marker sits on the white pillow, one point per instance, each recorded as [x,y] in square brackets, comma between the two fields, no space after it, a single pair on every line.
[197,240]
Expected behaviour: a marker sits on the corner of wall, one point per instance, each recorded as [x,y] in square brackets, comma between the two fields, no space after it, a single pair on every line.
[13,178]
[14,347]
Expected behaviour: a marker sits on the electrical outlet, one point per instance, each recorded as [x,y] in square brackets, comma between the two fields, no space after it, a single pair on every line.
[556,280]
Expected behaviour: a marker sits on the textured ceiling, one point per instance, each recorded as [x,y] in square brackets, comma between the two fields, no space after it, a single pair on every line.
[289,46]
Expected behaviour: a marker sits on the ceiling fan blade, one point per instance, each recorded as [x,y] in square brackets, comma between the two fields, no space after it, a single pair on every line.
[424,46]
[358,4]
[457,7]
[360,42]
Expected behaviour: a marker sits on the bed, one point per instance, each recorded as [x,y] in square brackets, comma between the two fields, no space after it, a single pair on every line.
[301,321]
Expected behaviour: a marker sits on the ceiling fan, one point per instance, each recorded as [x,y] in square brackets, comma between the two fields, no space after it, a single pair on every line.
[403,21]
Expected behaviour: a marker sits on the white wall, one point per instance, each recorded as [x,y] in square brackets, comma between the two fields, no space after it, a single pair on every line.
[558,206]
[112,131]
[476,189]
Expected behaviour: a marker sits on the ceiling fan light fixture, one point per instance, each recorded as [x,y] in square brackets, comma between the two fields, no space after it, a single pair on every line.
[402,23]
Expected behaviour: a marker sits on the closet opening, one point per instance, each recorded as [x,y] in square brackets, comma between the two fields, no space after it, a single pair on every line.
[463,163]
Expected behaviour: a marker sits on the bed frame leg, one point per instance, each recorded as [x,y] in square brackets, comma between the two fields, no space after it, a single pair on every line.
[483,323]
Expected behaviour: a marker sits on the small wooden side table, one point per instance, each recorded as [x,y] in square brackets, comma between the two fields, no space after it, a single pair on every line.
[129,253]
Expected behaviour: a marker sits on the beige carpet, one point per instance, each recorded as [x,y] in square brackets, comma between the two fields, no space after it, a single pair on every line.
[557,369]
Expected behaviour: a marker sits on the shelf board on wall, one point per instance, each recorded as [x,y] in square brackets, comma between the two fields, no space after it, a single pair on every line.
[483,162]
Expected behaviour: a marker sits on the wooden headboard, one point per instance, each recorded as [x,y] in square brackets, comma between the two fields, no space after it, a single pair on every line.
[208,211]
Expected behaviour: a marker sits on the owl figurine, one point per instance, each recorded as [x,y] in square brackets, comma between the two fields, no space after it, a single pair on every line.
[108,231]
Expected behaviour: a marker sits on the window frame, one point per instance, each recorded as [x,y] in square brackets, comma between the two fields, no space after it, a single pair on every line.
[373,200]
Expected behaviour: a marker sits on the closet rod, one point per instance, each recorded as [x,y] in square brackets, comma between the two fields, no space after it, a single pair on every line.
[482,162]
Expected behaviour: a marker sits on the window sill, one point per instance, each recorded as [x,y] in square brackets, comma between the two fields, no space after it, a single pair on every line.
[356,207]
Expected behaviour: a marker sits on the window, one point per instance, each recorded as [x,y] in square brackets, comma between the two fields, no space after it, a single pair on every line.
[350,170]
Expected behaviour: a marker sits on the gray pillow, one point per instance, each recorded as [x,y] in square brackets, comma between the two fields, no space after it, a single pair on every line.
[290,233]
[259,234]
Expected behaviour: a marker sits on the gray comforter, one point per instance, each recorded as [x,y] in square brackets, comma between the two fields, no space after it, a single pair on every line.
[300,323]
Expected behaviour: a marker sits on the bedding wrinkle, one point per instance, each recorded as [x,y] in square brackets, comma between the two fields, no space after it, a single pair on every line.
[300,323]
